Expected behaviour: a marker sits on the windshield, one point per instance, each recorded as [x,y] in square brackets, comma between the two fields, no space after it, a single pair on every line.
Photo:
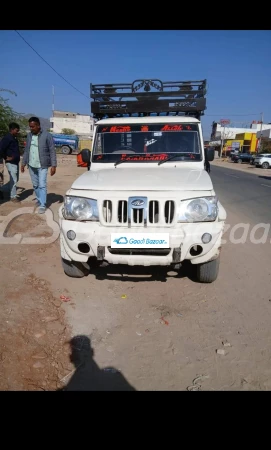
[142,143]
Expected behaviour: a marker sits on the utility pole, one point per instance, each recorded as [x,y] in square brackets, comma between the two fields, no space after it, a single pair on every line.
[222,142]
[260,140]
[223,122]
[53,104]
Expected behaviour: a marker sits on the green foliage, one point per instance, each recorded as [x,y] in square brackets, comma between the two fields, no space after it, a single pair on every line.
[7,115]
[68,131]
[266,147]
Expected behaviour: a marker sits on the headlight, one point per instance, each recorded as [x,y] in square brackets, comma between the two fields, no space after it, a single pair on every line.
[203,209]
[80,208]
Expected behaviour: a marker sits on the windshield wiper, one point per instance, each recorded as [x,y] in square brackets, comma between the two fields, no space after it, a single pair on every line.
[172,157]
[128,159]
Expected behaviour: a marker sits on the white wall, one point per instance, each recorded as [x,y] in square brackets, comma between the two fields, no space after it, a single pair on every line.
[231,132]
[265,133]
[257,126]
[81,124]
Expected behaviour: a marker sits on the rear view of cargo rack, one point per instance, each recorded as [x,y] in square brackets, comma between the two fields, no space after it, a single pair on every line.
[148,97]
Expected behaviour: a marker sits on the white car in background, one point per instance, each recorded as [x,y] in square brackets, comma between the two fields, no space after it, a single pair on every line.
[263,161]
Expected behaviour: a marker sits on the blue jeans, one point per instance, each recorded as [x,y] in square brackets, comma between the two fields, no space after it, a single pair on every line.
[13,170]
[39,181]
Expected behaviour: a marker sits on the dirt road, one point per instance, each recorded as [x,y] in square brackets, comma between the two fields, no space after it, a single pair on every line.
[142,329]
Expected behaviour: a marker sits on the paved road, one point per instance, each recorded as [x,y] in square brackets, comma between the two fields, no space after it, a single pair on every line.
[246,195]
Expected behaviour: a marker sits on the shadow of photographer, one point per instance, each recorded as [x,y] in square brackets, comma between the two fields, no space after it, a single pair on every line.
[88,376]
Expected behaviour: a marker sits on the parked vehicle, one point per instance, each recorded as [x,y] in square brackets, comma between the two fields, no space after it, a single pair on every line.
[242,158]
[67,143]
[263,160]
[255,155]
[233,153]
[146,198]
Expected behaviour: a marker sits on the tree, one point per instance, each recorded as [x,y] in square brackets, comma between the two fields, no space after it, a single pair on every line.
[7,115]
[67,131]
[226,134]
[266,146]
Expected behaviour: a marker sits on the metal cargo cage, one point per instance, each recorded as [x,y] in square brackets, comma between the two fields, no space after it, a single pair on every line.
[148,97]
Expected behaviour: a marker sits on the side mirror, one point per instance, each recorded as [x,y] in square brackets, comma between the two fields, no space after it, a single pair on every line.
[86,155]
[210,154]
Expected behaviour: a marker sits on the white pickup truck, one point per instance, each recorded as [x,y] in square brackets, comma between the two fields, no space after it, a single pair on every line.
[146,198]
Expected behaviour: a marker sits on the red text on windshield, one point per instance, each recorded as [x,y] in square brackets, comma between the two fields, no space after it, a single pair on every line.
[147,157]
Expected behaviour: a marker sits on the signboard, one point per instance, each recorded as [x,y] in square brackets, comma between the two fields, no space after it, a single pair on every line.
[235,145]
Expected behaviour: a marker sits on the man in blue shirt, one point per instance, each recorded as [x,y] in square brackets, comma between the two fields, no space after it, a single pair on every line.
[10,153]
[39,155]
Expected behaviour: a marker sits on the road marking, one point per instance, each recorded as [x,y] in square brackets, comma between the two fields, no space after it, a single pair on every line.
[228,175]
[266,185]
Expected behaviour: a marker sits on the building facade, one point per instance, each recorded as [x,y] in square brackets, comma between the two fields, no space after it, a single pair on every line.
[244,142]
[243,139]
[82,124]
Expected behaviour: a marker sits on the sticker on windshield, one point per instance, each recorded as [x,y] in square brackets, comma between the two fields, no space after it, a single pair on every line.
[159,133]
[177,127]
[145,157]
[152,141]
[120,129]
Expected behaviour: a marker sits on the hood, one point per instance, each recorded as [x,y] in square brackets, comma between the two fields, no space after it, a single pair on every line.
[151,179]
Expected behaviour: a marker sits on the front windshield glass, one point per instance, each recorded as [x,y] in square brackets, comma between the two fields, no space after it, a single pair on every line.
[143,143]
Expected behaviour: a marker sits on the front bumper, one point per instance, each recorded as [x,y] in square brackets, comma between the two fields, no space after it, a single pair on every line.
[182,238]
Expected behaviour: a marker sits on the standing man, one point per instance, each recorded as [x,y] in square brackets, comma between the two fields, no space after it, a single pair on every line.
[9,151]
[39,155]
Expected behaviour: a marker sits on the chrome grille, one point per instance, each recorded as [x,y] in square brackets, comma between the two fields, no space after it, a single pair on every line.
[137,211]
[128,212]
[122,211]
[169,211]
[107,210]
[138,216]
[153,211]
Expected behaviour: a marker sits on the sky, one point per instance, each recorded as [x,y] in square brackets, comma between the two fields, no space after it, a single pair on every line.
[236,64]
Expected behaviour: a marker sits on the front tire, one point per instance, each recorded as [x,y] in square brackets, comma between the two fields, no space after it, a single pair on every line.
[208,272]
[74,269]
[265,165]
[66,150]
